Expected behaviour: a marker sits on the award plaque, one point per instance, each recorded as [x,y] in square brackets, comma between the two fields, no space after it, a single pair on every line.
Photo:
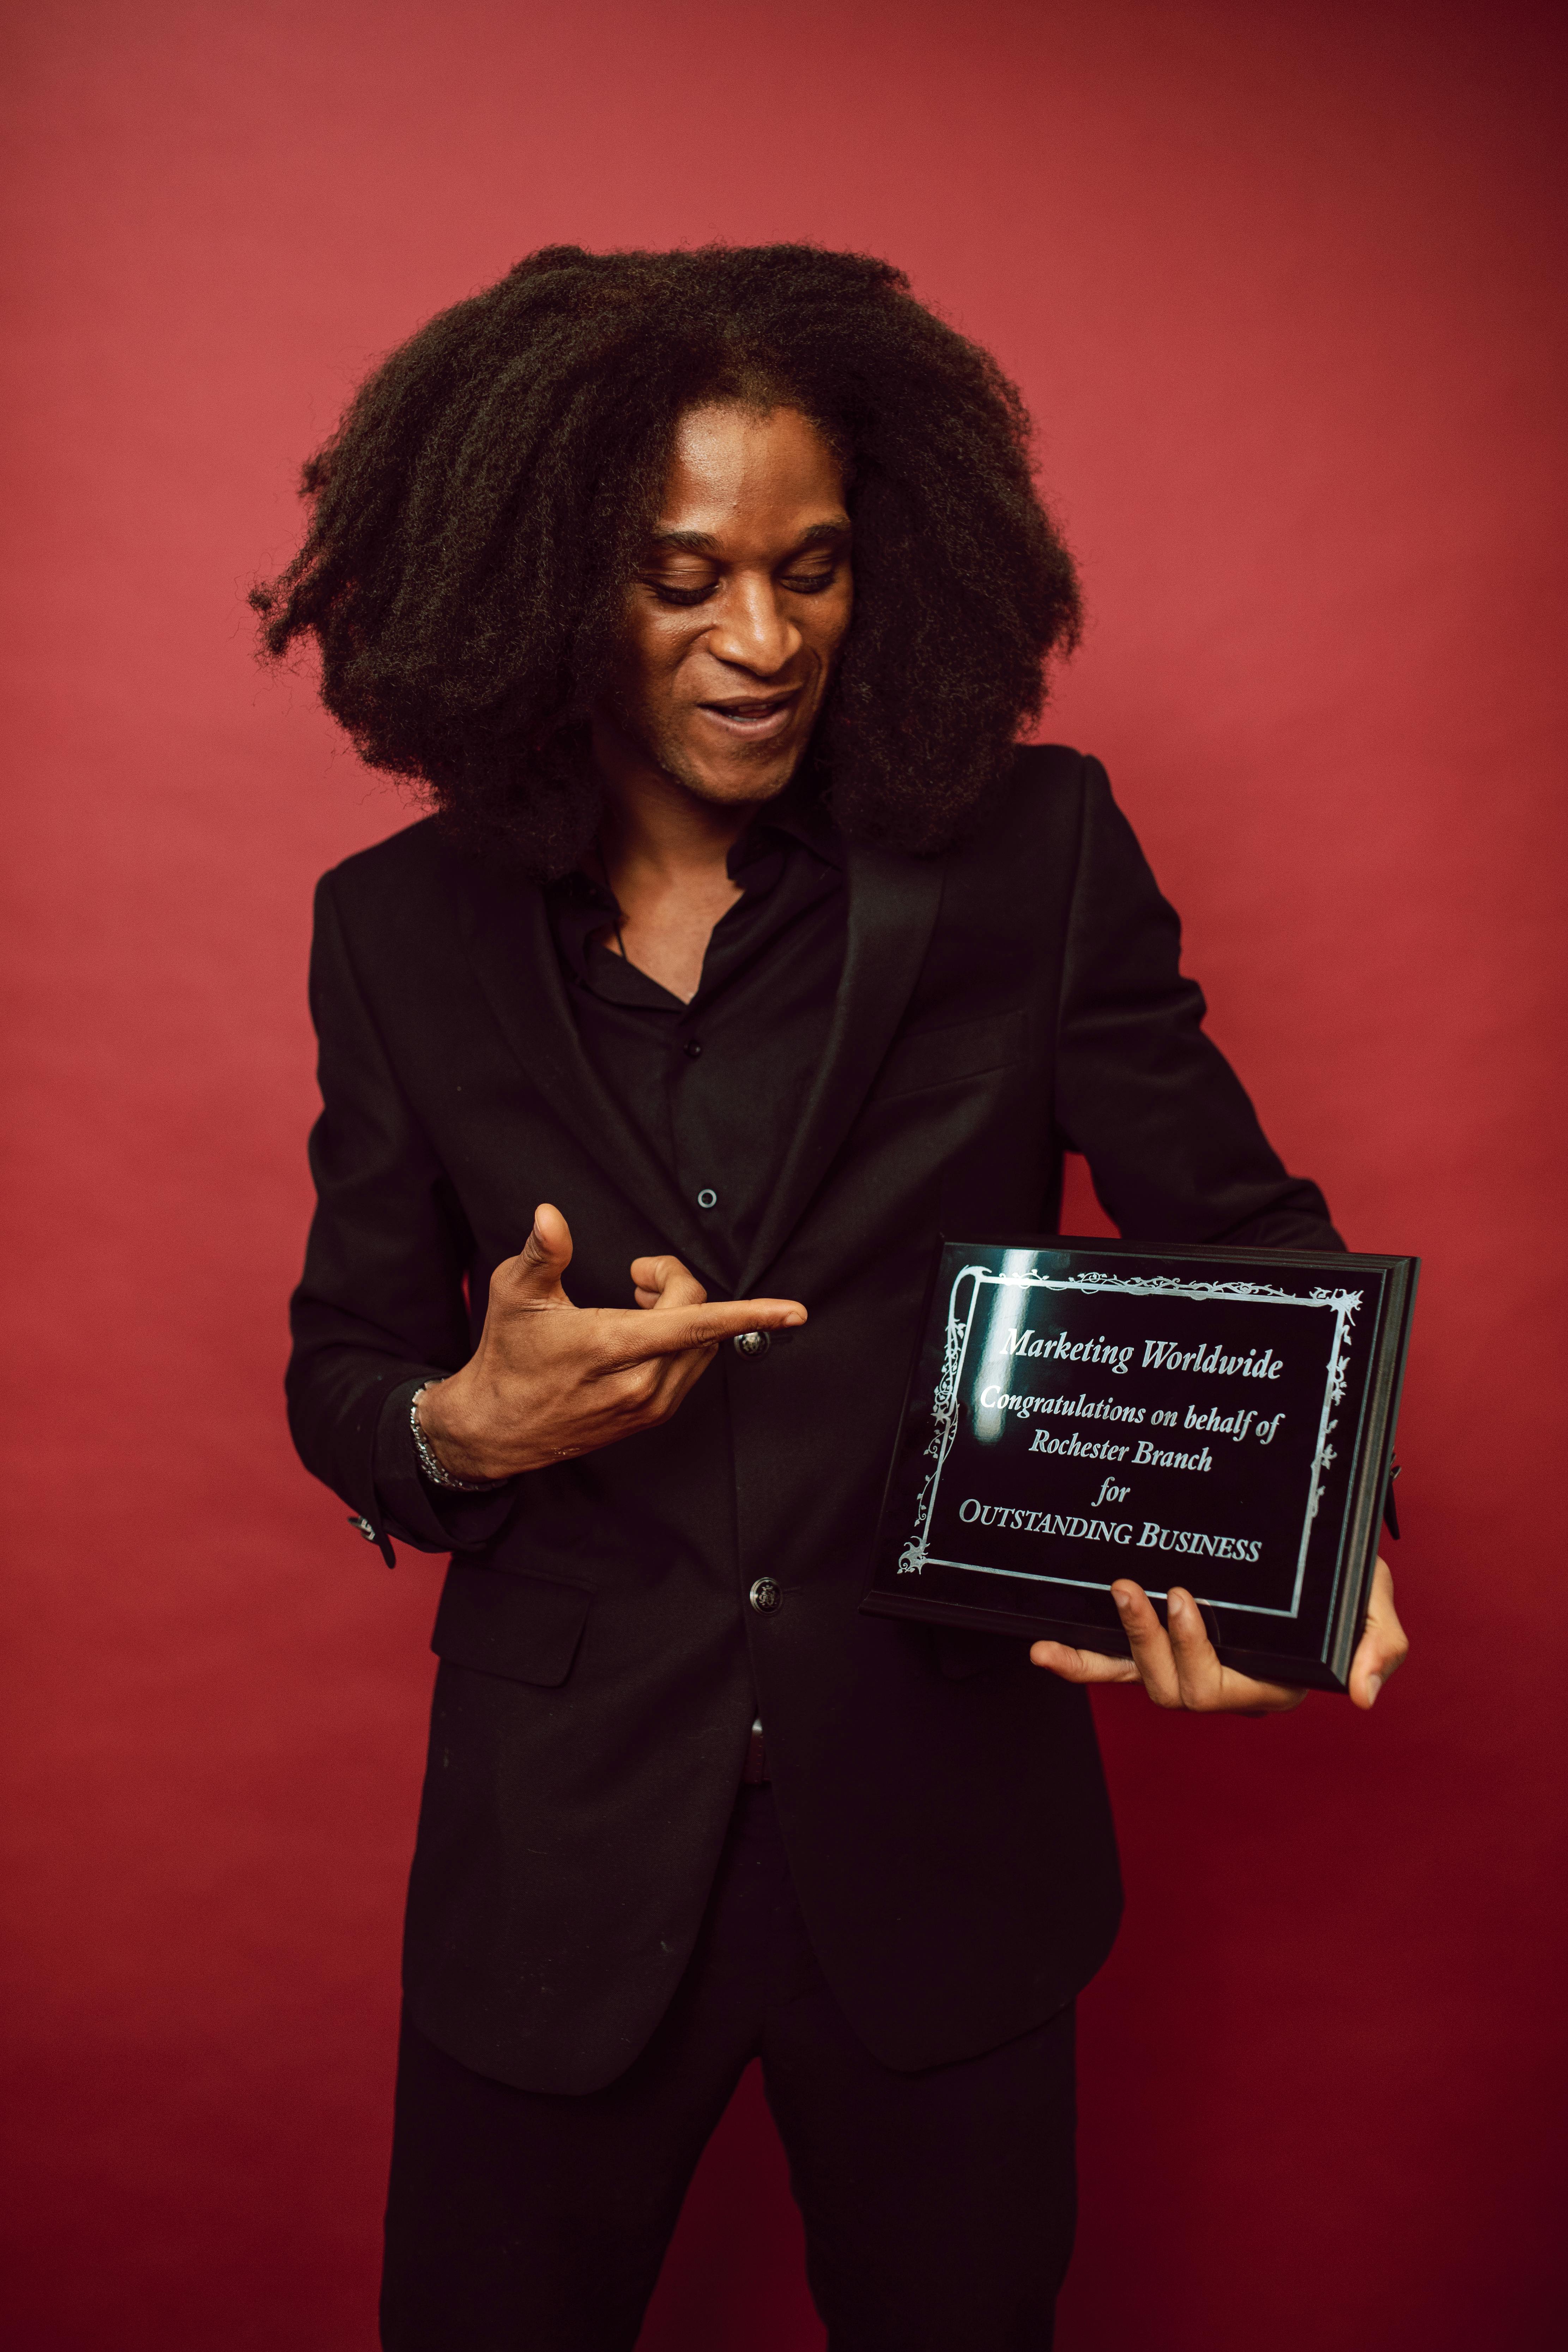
[1219,1419]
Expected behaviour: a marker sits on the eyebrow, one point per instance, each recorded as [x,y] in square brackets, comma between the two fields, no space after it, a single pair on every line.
[702,543]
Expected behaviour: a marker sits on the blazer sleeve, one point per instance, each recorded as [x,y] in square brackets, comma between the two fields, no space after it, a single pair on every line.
[1172,1142]
[380,1307]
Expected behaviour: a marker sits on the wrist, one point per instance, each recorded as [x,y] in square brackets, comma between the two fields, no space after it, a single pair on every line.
[445,1460]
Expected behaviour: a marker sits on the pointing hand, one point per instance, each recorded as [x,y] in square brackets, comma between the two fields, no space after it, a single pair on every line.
[549,1380]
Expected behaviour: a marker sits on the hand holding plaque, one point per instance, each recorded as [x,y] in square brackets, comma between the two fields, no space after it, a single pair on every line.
[1179,1666]
[1171,1459]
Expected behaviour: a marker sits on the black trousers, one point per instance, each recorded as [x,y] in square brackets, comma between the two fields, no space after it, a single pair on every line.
[939,2207]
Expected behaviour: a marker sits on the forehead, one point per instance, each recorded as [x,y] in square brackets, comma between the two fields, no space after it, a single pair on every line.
[738,467]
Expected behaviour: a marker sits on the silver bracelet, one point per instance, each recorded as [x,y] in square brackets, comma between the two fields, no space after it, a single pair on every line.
[436,1470]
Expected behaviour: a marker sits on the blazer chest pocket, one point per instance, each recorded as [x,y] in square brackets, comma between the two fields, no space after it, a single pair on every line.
[940,1057]
[497,1621]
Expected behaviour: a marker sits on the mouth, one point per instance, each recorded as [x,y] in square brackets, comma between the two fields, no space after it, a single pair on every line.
[753,715]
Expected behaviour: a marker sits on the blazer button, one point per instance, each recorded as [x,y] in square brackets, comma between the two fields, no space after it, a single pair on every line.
[751,1343]
[764,1595]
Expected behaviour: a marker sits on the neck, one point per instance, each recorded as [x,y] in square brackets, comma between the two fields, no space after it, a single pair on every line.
[666,852]
[658,827]
[654,824]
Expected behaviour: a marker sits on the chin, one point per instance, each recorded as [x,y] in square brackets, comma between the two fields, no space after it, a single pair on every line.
[734,780]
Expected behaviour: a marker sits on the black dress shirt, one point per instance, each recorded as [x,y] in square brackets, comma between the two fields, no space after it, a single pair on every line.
[716,1086]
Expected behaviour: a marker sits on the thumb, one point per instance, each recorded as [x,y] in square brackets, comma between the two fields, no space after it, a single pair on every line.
[545,1258]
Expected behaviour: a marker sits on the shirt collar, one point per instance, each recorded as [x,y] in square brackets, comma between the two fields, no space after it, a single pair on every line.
[581,904]
[802,813]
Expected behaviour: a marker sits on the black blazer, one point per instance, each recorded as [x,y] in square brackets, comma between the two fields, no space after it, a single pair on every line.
[942,1800]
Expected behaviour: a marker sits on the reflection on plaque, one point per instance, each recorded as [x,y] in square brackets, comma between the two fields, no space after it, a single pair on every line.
[1219,1419]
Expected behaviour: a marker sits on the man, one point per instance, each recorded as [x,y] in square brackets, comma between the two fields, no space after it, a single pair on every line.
[708,594]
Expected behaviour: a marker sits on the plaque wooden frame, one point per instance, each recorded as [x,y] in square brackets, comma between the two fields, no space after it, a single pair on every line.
[1232,1432]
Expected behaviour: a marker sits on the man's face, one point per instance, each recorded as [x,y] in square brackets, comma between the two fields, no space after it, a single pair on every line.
[740,603]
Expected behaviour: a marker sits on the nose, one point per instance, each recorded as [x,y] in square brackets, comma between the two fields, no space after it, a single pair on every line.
[752,630]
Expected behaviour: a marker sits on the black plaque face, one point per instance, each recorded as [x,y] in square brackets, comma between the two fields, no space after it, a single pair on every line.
[1080,1411]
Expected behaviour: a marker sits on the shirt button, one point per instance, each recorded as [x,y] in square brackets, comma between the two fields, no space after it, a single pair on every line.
[751,1343]
[764,1595]
[691,1049]
[708,1198]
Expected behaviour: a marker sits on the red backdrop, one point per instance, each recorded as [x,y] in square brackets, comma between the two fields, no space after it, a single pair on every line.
[1283,287]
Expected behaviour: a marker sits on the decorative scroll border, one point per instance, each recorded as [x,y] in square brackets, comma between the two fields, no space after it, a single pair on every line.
[916,1553]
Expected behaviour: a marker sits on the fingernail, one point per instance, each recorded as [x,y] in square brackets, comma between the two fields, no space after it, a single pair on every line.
[1122,1600]
[1373,1688]
[1175,1604]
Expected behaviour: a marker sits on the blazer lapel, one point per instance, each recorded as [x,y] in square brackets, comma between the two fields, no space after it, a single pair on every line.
[893,903]
[506,930]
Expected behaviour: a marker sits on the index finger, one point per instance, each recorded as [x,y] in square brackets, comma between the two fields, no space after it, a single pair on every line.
[1198,1670]
[666,1331]
[1207,1686]
[1151,1644]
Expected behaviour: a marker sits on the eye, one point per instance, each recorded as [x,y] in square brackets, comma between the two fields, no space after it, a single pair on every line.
[668,594]
[810,583]
[678,592]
